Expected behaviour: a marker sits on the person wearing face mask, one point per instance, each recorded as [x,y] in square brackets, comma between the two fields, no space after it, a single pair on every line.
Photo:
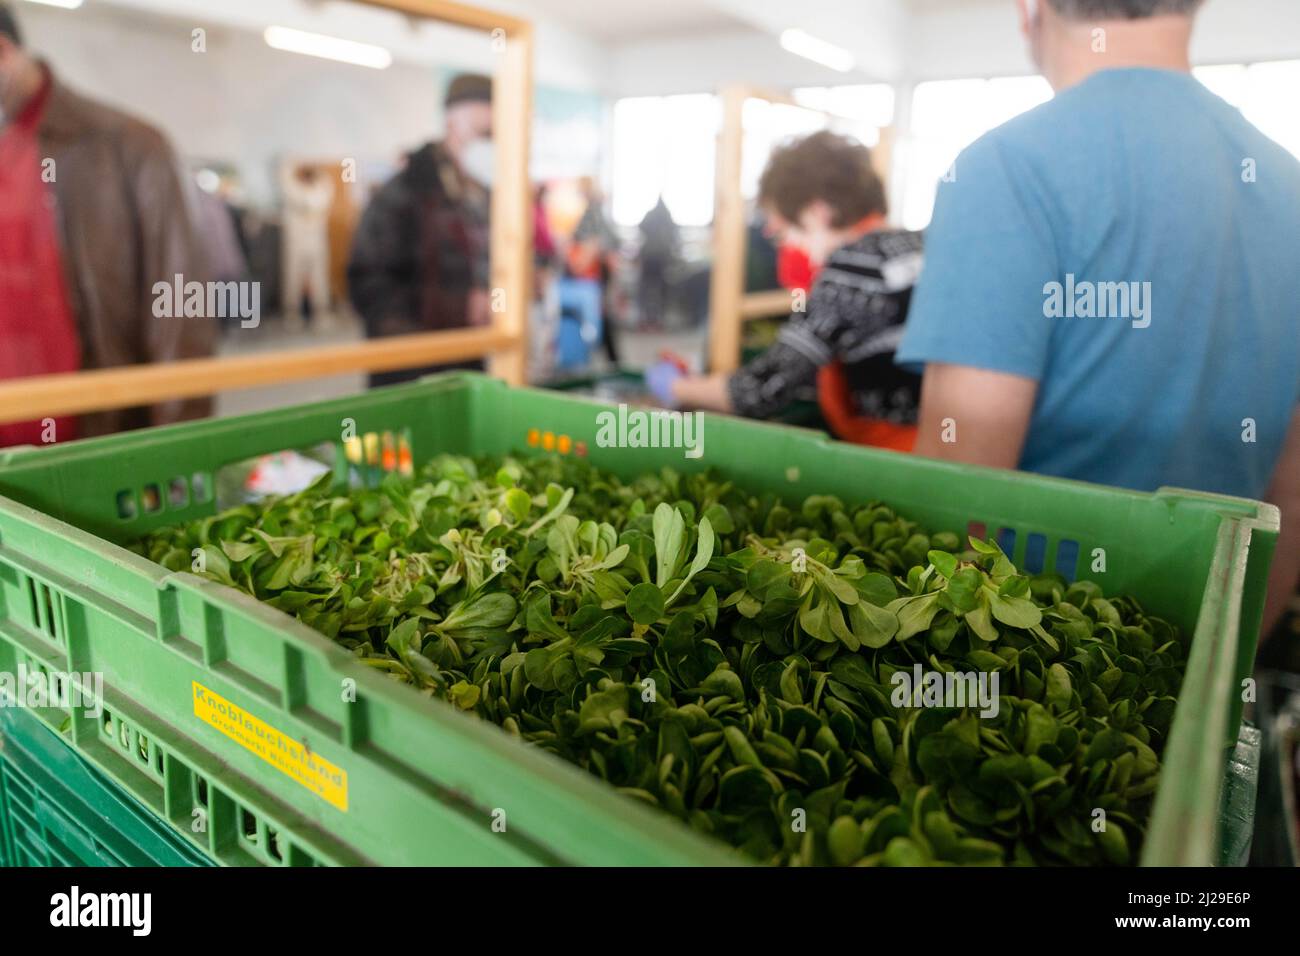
[79,260]
[419,259]
[1110,286]
[822,197]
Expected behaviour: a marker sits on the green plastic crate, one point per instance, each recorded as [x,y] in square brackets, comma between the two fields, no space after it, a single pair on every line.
[393,777]
[57,810]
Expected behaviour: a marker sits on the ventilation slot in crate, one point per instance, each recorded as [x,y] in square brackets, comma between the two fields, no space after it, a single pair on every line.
[46,606]
[268,843]
[372,455]
[1039,556]
[138,747]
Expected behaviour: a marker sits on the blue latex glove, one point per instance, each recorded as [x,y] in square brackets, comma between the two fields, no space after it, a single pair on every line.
[659,378]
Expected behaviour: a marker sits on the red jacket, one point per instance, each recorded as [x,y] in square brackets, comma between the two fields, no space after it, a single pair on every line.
[37,328]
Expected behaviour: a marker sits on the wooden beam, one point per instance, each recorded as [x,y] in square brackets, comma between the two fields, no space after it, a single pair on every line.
[766,305]
[457,14]
[72,393]
[882,156]
[727,283]
[512,204]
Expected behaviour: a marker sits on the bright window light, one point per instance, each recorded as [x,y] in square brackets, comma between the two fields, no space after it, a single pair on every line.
[327,47]
[62,4]
[868,103]
[1228,82]
[1270,101]
[819,51]
[1264,92]
[664,145]
[947,116]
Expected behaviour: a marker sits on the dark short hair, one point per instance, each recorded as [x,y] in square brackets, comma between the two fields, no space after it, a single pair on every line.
[469,88]
[826,166]
[1122,9]
[8,25]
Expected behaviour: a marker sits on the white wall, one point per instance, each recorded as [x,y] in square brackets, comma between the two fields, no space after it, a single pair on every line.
[563,56]
[240,102]
[706,63]
[244,103]
[1235,31]
[975,38]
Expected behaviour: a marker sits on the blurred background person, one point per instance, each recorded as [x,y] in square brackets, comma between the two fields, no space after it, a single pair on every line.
[590,265]
[219,225]
[545,250]
[661,242]
[305,233]
[78,260]
[419,258]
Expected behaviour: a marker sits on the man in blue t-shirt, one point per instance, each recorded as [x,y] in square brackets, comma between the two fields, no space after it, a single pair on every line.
[1111,290]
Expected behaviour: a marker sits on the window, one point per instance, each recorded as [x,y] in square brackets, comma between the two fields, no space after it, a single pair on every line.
[664,145]
[667,144]
[871,104]
[947,116]
[1228,81]
[1265,94]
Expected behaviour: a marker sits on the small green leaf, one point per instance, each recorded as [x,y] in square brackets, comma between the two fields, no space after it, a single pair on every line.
[1058,687]
[518,503]
[873,626]
[814,620]
[241,551]
[463,695]
[844,841]
[944,563]
[669,535]
[914,614]
[645,604]
[1014,612]
[963,589]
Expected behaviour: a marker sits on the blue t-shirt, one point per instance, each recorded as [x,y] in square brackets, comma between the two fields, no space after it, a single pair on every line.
[1134,247]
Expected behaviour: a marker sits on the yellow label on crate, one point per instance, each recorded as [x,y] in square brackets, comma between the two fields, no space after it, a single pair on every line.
[285,754]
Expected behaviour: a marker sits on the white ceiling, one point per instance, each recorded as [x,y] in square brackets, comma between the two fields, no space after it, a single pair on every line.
[621,20]
[873,30]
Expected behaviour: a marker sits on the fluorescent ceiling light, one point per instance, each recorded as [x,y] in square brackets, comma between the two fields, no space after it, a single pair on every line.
[819,51]
[64,4]
[330,48]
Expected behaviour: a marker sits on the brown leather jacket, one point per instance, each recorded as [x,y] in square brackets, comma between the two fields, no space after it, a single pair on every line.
[127,220]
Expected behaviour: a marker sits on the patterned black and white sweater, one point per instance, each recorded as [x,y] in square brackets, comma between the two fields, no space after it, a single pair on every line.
[856,310]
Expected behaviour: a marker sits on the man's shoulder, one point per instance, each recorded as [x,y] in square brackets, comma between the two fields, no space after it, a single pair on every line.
[1039,131]
[89,118]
